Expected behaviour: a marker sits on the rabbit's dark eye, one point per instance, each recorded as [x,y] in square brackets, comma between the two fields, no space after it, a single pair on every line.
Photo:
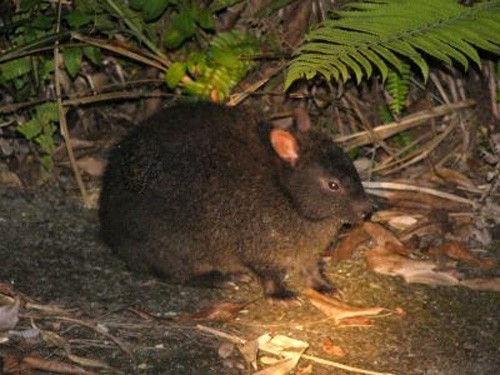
[332,185]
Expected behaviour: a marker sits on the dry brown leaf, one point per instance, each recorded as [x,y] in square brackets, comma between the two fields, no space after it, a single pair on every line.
[281,367]
[450,176]
[60,152]
[37,363]
[12,366]
[283,346]
[304,370]
[400,311]
[489,285]
[403,222]
[386,215]
[88,362]
[379,234]
[459,251]
[349,243]
[422,201]
[413,271]
[226,349]
[10,179]
[334,350]
[336,309]
[92,166]
[7,289]
[357,321]
[220,312]
[9,313]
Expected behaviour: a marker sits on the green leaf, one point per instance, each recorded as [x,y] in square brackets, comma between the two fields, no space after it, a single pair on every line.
[47,162]
[205,19]
[27,5]
[47,112]
[225,58]
[46,140]
[398,86]
[72,60]
[182,27]
[175,73]
[184,23]
[76,18]
[45,69]
[42,22]
[218,5]
[93,54]
[30,129]
[150,9]
[272,6]
[15,68]
[385,113]
[173,38]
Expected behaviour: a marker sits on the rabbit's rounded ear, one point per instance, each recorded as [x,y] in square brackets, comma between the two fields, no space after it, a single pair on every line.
[285,145]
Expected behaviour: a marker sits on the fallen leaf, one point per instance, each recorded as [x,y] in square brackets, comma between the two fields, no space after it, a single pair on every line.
[379,234]
[10,179]
[10,365]
[220,312]
[490,285]
[91,165]
[400,311]
[449,176]
[37,363]
[386,215]
[305,370]
[283,346]
[420,201]
[249,349]
[88,362]
[334,350]
[349,243]
[402,222]
[357,321]
[413,271]
[281,367]
[226,349]
[9,314]
[459,251]
[336,309]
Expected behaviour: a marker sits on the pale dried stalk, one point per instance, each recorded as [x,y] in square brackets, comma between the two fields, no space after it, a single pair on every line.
[405,187]
[63,126]
[409,122]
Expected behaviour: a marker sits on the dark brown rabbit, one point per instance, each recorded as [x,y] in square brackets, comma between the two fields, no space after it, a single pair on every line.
[203,190]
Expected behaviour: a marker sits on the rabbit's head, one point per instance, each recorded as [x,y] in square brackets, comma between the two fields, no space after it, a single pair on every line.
[319,177]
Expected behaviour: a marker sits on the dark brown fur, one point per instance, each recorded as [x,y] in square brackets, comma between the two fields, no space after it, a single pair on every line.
[198,189]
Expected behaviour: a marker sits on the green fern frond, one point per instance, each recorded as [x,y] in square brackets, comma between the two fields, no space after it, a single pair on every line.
[221,68]
[381,32]
[398,85]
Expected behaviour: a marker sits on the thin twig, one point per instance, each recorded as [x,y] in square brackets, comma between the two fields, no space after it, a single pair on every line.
[154,61]
[63,126]
[92,326]
[405,187]
[421,153]
[342,366]
[409,122]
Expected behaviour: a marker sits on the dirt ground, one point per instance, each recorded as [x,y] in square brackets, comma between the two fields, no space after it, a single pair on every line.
[51,254]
